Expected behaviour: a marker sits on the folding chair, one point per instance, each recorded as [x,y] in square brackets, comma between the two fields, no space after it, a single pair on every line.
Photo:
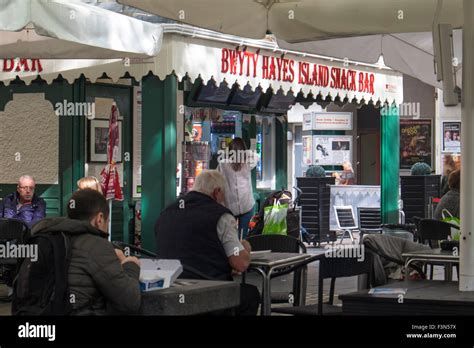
[345,221]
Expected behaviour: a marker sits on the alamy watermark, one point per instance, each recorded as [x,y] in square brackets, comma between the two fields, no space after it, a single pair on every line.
[19,251]
[342,251]
[411,109]
[237,156]
[67,108]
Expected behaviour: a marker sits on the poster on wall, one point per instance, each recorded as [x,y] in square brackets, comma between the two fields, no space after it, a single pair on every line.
[332,150]
[307,158]
[415,142]
[452,137]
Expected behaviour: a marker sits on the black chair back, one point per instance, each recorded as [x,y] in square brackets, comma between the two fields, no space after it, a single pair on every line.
[339,267]
[345,217]
[433,230]
[370,219]
[12,231]
[276,243]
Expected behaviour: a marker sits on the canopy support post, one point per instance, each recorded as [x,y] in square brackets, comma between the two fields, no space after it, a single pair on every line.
[466,278]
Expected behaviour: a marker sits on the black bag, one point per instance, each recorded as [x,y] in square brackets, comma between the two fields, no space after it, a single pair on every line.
[41,286]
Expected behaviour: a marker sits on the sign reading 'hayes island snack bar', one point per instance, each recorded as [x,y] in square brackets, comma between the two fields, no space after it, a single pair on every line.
[253,64]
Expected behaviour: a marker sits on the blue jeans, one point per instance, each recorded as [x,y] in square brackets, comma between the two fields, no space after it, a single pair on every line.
[244,220]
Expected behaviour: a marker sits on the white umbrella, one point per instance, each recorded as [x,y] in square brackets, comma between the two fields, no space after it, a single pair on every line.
[70,29]
[305,20]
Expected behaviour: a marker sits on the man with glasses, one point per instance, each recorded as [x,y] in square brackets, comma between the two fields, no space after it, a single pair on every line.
[24,204]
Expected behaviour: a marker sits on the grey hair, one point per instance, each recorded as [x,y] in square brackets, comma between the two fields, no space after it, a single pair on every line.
[208,181]
[29,177]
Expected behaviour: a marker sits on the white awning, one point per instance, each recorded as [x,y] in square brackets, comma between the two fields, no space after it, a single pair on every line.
[409,53]
[58,29]
[192,57]
[305,20]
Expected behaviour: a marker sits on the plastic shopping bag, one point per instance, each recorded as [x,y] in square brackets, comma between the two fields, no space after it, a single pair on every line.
[275,218]
[449,218]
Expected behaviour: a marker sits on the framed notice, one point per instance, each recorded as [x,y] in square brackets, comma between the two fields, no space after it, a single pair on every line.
[332,150]
[452,137]
[415,142]
[98,141]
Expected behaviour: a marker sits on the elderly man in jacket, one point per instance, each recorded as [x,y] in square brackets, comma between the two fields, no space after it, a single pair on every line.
[24,204]
[198,230]
[101,279]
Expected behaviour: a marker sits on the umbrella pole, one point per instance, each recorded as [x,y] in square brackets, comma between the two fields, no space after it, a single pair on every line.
[110,220]
[466,267]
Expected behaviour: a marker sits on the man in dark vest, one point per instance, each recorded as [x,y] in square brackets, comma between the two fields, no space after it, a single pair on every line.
[199,231]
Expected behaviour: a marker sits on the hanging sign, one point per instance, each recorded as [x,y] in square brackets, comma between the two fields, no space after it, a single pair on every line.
[327,121]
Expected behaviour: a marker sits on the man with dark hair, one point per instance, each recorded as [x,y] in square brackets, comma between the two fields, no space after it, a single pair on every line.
[101,280]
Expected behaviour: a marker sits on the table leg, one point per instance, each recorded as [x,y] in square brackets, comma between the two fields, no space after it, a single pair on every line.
[303,285]
[448,271]
[265,291]
[268,293]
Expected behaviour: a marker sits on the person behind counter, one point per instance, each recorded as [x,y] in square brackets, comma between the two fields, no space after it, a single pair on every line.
[347,177]
[236,170]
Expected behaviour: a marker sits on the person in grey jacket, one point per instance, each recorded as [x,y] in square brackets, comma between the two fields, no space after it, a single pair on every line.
[101,279]
[451,200]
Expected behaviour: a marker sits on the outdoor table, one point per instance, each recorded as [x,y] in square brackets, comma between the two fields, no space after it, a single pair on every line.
[423,297]
[434,256]
[266,264]
[191,297]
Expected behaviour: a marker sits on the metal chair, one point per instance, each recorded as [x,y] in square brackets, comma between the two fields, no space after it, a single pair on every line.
[370,221]
[431,232]
[12,231]
[283,244]
[332,267]
[345,221]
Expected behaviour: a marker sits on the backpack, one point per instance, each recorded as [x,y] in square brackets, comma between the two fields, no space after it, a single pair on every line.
[40,287]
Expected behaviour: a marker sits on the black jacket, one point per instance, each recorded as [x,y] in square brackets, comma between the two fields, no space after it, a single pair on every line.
[187,231]
[97,281]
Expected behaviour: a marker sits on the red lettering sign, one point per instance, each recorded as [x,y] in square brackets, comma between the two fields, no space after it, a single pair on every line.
[23,65]
[235,61]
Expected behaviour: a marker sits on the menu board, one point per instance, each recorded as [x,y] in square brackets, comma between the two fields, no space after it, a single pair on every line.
[332,149]
[415,142]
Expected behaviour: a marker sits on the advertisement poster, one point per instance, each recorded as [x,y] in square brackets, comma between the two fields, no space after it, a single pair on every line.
[307,156]
[332,150]
[452,137]
[415,142]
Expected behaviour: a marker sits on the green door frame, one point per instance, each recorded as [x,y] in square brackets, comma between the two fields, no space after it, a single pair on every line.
[159,98]
[390,164]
